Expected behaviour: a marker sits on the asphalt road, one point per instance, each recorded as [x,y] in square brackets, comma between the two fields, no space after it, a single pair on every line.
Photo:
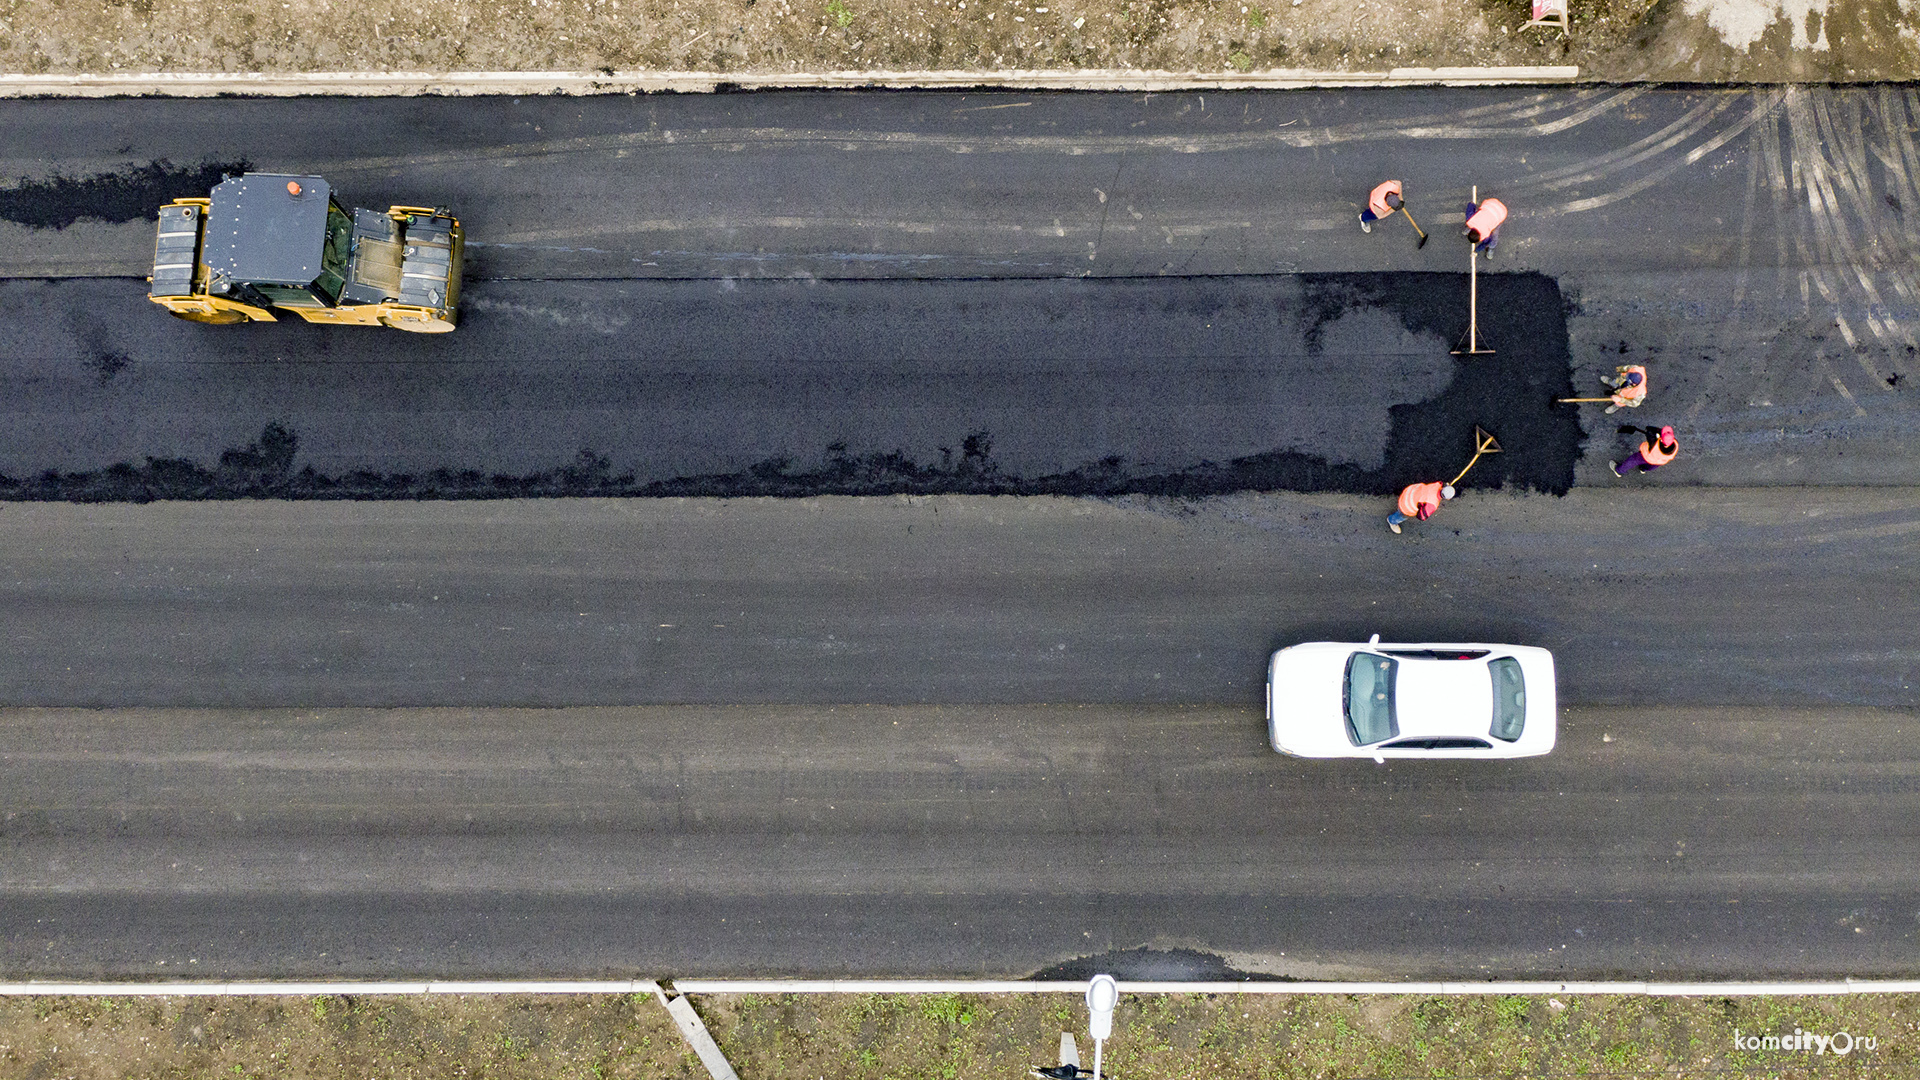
[1728,799]
[1755,247]
[960,841]
[1649,595]
[1739,624]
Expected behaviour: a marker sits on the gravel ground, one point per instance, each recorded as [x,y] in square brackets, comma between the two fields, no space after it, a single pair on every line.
[1683,40]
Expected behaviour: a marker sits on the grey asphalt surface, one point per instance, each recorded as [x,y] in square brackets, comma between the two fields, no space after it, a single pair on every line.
[1740,623]
[960,841]
[1649,596]
[1728,799]
[1755,246]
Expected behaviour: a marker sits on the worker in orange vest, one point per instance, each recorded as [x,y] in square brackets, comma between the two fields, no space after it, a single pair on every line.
[1418,501]
[1630,387]
[1483,224]
[1658,448]
[1383,202]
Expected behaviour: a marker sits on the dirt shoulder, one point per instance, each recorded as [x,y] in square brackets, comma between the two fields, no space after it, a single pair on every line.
[943,1035]
[1612,40]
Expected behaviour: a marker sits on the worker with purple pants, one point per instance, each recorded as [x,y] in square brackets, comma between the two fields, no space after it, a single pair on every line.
[1658,448]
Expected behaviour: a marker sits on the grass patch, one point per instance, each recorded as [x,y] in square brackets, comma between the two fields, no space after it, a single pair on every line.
[953,1036]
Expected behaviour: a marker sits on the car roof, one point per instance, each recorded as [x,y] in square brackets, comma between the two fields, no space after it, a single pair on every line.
[1443,698]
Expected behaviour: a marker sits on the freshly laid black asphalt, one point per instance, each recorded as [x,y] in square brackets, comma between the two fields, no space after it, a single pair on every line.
[1755,247]
[1109,386]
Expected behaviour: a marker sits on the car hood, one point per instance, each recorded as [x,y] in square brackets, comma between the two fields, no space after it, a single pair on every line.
[1308,718]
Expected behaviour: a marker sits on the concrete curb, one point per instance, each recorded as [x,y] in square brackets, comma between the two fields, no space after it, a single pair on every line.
[1625,989]
[960,986]
[316,989]
[470,83]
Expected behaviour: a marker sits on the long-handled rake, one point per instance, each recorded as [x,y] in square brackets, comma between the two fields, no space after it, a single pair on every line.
[1472,342]
[1483,443]
[1572,400]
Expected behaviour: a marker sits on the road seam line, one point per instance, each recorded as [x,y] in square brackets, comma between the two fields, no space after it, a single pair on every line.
[464,83]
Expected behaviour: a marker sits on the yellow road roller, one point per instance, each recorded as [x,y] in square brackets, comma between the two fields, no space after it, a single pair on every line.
[265,244]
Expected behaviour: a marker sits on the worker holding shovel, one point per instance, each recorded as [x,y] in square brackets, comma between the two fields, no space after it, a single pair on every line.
[1629,384]
[1418,501]
[1384,201]
[1658,448]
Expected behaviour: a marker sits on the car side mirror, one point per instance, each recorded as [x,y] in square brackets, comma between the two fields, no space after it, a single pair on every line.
[1379,758]
[1374,640]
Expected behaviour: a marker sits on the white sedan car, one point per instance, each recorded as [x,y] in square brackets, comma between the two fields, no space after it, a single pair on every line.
[1332,699]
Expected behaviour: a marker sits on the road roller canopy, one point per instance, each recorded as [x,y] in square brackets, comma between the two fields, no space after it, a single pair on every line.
[267,229]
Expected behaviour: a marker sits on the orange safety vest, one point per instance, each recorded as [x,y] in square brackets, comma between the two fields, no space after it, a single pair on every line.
[1377,202]
[1420,500]
[1651,453]
[1632,393]
[1486,218]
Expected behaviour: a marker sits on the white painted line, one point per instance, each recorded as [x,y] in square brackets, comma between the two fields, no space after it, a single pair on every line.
[892,986]
[619,986]
[952,986]
[1628,989]
[317,989]
[466,83]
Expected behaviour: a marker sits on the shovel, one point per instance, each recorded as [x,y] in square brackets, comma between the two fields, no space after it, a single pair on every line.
[1483,443]
[1416,227]
[1571,400]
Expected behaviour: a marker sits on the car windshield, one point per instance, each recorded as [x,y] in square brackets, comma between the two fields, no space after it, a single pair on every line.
[1509,699]
[1370,680]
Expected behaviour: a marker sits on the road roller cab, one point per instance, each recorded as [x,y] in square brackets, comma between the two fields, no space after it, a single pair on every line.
[266,244]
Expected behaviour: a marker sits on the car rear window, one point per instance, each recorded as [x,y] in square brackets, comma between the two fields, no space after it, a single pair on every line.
[1370,679]
[1509,699]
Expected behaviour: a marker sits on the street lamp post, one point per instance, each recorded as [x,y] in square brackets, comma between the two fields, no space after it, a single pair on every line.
[1102,995]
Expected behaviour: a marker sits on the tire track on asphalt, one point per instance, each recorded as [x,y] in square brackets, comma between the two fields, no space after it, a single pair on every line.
[1599,168]
[1443,126]
[1754,116]
[1830,161]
